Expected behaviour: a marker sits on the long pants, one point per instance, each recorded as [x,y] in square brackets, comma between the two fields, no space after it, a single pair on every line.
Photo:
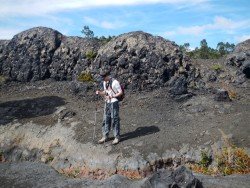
[111,116]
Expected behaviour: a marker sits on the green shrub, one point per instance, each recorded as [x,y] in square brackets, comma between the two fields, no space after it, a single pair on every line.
[50,158]
[1,156]
[91,55]
[205,159]
[2,79]
[217,67]
[85,77]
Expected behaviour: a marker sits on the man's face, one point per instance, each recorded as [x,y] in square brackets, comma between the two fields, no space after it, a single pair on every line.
[105,78]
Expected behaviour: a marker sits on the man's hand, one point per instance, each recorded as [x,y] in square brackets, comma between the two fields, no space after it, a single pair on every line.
[108,97]
[98,92]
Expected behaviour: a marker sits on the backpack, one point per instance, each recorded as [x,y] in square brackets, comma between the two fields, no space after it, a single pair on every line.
[121,97]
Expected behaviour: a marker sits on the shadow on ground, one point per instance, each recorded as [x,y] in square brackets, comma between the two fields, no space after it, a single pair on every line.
[140,131]
[29,108]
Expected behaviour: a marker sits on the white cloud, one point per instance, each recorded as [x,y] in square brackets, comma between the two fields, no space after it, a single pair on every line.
[8,33]
[15,26]
[32,7]
[219,24]
[104,24]
[193,30]
[242,38]
[224,23]
[169,33]
[108,25]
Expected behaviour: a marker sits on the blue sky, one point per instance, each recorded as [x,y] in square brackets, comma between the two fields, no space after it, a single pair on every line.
[180,20]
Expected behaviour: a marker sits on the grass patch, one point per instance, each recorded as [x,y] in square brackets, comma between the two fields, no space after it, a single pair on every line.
[91,55]
[85,77]
[233,160]
[231,92]
[98,174]
[71,172]
[217,67]
[226,161]
[131,174]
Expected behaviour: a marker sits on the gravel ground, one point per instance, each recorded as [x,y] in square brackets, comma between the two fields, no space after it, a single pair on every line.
[150,121]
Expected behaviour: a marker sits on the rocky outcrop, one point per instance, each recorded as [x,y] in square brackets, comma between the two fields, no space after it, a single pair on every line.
[28,55]
[144,62]
[3,44]
[181,177]
[40,53]
[241,58]
[138,59]
[243,47]
[72,57]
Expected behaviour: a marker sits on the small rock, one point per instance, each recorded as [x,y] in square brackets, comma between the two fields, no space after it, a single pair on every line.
[183,177]
[184,149]
[153,158]
[222,95]
[171,156]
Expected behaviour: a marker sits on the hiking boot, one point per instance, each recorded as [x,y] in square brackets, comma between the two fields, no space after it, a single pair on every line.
[103,139]
[115,141]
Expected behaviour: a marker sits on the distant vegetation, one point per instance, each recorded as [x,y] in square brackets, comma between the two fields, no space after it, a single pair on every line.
[206,52]
[90,35]
[202,52]
[105,40]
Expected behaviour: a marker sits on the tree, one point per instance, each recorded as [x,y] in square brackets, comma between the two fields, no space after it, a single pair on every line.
[203,43]
[87,32]
[229,47]
[204,50]
[221,48]
[225,48]
[185,47]
[105,40]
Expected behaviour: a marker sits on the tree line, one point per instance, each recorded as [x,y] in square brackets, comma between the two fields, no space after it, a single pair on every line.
[202,52]
[206,52]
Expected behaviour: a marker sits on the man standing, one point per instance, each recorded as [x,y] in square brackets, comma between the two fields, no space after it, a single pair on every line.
[112,90]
